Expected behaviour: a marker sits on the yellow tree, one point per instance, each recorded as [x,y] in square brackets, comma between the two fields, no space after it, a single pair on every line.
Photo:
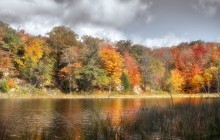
[177,80]
[33,52]
[197,83]
[34,63]
[208,76]
[112,62]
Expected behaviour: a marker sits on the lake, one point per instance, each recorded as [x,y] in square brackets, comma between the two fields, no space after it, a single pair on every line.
[74,116]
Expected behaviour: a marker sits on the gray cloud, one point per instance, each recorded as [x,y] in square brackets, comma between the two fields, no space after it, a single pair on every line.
[152,22]
[207,7]
[25,10]
[113,14]
[116,13]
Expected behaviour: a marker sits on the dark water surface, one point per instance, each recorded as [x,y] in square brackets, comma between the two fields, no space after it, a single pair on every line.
[74,115]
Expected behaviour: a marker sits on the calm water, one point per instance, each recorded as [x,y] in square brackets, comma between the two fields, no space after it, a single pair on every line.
[72,115]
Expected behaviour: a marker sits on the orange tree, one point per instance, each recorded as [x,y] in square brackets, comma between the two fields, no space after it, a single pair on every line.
[132,68]
[112,62]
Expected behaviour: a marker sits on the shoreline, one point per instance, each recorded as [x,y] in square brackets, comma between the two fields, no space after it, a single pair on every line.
[107,96]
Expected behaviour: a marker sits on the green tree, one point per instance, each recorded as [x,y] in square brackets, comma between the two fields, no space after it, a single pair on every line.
[91,46]
[139,52]
[67,77]
[123,46]
[92,77]
[4,86]
[71,60]
[125,80]
[60,38]
[152,71]
[10,39]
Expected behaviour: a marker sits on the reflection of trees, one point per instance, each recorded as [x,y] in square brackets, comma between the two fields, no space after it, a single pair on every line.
[192,101]
[60,128]
[116,111]
[119,108]
[6,107]
[22,115]
[62,125]
[82,119]
[70,117]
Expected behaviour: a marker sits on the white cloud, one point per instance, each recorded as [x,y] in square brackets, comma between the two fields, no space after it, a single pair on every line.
[101,32]
[38,25]
[166,41]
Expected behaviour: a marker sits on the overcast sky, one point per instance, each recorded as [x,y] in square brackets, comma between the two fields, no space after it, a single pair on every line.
[149,22]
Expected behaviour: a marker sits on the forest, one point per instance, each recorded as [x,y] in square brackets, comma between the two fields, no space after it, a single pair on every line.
[71,63]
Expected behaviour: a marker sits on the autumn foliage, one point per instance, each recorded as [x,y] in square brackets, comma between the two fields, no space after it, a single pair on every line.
[6,60]
[112,62]
[132,69]
[66,61]
[195,64]
[177,80]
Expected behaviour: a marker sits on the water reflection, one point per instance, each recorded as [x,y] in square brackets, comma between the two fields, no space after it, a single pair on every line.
[60,117]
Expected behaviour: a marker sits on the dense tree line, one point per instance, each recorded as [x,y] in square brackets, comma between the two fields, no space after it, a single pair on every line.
[63,60]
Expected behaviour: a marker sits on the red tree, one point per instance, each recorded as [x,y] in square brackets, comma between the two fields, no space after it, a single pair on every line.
[132,68]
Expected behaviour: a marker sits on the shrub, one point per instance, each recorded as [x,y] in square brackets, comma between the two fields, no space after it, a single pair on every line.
[4,86]
[126,82]
[11,84]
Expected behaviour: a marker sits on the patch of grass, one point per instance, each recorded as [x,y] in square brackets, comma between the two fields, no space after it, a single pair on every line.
[182,121]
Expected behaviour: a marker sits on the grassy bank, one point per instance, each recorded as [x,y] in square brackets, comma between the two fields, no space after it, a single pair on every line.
[42,93]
